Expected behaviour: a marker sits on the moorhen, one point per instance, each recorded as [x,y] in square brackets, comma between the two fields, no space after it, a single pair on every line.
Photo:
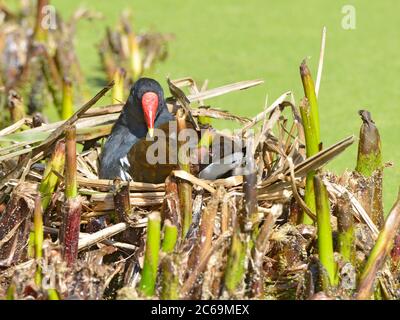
[124,153]
[144,110]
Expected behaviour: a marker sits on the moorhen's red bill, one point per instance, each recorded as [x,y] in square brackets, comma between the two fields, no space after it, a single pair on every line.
[144,110]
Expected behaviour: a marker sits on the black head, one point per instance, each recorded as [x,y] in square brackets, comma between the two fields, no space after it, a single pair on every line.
[144,85]
[145,102]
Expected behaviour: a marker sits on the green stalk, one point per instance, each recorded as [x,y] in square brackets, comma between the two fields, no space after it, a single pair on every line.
[71,186]
[204,120]
[309,197]
[310,117]
[325,242]
[185,188]
[312,148]
[67,109]
[50,179]
[309,92]
[206,139]
[38,236]
[149,273]
[10,295]
[169,279]
[31,245]
[52,294]
[235,268]
[170,237]
[379,252]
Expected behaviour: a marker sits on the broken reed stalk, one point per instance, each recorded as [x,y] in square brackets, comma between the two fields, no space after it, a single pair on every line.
[72,207]
[148,279]
[312,148]
[170,237]
[171,206]
[38,238]
[40,33]
[204,237]
[379,253]
[345,222]
[199,268]
[252,221]
[67,108]
[250,196]
[122,204]
[325,241]
[50,178]
[169,279]
[258,254]
[369,157]
[118,89]
[208,222]
[369,165]
[235,268]
[169,272]
[310,117]
[185,188]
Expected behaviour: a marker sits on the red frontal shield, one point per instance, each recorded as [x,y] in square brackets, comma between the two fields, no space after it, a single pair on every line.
[150,105]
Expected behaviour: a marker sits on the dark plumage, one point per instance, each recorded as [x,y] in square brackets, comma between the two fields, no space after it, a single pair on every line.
[130,128]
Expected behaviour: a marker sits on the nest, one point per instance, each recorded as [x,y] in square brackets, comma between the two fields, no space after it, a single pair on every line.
[279,261]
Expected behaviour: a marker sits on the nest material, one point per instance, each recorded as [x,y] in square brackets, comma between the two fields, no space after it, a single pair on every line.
[281,266]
